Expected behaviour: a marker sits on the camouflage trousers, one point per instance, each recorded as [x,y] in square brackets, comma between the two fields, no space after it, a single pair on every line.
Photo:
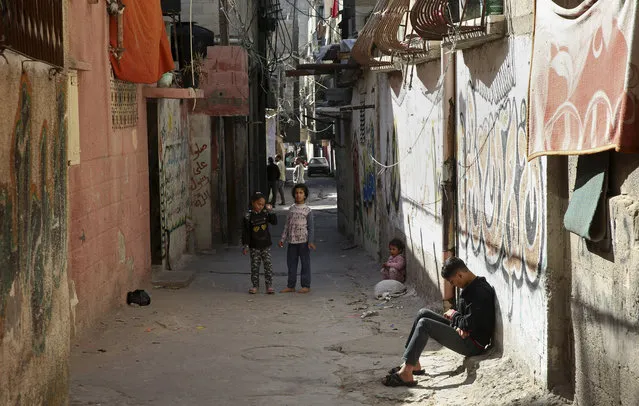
[259,256]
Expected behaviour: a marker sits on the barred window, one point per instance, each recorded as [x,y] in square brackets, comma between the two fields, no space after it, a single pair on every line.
[33,28]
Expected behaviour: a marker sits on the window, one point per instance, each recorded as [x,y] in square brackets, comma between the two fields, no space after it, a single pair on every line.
[33,28]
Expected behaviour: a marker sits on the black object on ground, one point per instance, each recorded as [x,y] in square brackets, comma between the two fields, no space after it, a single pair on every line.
[138,297]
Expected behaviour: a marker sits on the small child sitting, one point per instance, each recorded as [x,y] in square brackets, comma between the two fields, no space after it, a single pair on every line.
[395,266]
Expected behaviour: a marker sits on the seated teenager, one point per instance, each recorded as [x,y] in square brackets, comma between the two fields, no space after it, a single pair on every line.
[466,330]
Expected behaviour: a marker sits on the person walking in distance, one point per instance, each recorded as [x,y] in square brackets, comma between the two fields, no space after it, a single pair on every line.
[256,239]
[282,181]
[299,233]
[298,173]
[273,176]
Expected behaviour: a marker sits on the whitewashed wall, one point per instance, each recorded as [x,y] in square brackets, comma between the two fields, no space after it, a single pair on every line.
[411,135]
[501,197]
[364,145]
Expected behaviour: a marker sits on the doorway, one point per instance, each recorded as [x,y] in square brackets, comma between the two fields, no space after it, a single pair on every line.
[155,225]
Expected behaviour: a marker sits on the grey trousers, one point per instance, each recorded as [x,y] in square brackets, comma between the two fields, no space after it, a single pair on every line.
[429,324]
[280,189]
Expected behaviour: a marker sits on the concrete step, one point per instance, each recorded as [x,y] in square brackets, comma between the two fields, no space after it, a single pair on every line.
[162,278]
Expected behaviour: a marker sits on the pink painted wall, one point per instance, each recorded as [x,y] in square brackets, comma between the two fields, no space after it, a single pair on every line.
[109,248]
[225,85]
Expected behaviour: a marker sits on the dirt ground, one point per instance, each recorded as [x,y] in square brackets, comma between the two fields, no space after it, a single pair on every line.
[214,344]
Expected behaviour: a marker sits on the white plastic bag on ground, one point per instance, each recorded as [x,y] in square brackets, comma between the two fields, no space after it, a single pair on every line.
[389,288]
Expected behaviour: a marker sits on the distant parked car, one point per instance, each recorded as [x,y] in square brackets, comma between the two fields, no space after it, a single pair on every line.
[318,165]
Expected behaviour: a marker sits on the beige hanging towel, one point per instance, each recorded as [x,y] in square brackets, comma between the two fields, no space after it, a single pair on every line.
[584,79]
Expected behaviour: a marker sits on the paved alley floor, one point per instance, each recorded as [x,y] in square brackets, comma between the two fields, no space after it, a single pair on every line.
[214,344]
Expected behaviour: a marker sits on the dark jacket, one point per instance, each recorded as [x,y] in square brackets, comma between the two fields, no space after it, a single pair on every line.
[255,230]
[272,173]
[476,311]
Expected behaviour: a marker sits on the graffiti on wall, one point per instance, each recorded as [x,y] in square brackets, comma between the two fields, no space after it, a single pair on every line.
[364,207]
[369,188]
[392,189]
[174,167]
[33,218]
[501,201]
[200,180]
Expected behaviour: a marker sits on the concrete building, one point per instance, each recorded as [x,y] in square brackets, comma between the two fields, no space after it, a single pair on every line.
[444,147]
[101,178]
[34,290]
[75,197]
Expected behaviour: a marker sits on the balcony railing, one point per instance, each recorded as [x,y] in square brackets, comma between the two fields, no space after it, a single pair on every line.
[33,28]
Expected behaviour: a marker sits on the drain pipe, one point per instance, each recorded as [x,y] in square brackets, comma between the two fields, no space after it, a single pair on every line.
[449,181]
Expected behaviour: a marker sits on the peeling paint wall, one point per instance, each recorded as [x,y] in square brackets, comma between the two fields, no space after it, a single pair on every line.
[34,293]
[175,168]
[109,246]
[202,170]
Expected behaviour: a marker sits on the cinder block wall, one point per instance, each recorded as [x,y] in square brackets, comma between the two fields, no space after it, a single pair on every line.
[605,292]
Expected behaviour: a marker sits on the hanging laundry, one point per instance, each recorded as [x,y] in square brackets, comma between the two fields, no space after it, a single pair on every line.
[586,215]
[143,53]
[583,87]
[335,9]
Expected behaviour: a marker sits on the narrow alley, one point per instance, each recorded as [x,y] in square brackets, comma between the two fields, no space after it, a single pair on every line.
[214,344]
[470,151]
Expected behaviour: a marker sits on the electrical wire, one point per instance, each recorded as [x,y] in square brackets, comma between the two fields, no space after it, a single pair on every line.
[439,87]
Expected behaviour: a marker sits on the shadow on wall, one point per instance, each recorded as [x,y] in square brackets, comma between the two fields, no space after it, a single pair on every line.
[419,255]
[389,180]
[397,213]
[496,78]
[498,335]
[424,74]
[623,179]
[599,356]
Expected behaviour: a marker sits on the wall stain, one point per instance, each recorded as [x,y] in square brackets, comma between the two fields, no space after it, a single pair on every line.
[33,220]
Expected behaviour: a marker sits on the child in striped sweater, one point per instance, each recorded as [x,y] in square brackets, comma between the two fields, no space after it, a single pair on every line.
[299,233]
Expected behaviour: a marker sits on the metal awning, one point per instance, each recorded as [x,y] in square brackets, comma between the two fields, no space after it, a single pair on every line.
[335,111]
[311,69]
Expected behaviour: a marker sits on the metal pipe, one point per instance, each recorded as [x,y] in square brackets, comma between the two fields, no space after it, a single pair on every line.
[448,185]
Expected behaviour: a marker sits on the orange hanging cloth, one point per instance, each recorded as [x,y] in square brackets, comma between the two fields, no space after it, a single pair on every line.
[147,53]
